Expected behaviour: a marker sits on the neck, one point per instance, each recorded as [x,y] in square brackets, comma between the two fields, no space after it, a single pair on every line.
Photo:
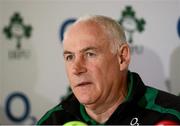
[101,112]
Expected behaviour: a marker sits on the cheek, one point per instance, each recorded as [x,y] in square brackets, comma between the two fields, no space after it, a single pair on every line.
[97,75]
[69,72]
[102,81]
[104,72]
[100,70]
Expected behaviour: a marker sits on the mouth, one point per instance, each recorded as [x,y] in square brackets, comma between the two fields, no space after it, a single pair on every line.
[83,84]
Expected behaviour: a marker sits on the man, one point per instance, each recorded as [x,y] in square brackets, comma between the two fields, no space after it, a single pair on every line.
[97,57]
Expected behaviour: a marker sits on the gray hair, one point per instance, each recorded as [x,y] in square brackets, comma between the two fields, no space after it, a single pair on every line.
[113,29]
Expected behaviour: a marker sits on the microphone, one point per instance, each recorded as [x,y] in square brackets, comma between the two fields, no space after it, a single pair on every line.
[166,122]
[74,123]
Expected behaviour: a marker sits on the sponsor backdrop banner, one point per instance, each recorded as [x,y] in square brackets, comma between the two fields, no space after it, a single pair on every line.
[32,74]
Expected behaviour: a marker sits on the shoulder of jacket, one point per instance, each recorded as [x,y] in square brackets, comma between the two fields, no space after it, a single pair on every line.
[162,102]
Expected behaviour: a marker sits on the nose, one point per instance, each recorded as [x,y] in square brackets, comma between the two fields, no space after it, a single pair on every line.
[79,66]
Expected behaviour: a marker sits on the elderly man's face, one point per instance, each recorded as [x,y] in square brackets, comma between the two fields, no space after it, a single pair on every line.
[92,69]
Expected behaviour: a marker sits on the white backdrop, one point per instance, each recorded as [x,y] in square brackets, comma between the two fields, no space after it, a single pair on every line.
[37,77]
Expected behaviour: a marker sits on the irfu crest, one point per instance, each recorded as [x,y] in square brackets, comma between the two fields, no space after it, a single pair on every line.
[17,29]
[131,23]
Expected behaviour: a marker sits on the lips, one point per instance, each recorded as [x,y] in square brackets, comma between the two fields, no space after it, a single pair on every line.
[83,84]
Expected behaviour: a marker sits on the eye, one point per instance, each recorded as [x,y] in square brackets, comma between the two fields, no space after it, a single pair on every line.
[69,57]
[90,54]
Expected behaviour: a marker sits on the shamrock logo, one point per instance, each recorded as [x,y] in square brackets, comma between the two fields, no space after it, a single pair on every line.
[17,29]
[131,23]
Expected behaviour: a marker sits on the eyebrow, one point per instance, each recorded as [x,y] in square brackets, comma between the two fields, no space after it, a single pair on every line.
[82,50]
[88,48]
[67,52]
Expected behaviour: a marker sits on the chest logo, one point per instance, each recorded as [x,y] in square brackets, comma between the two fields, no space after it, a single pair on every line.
[134,122]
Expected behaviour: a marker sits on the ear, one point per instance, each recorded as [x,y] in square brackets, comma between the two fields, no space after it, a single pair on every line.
[124,56]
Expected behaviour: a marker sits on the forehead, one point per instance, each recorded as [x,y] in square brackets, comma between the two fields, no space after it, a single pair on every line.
[85,34]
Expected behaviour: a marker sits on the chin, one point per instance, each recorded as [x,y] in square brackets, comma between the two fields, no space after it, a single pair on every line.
[83,98]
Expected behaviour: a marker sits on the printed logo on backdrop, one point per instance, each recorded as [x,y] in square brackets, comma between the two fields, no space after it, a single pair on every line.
[64,26]
[17,32]
[21,117]
[178,27]
[132,24]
